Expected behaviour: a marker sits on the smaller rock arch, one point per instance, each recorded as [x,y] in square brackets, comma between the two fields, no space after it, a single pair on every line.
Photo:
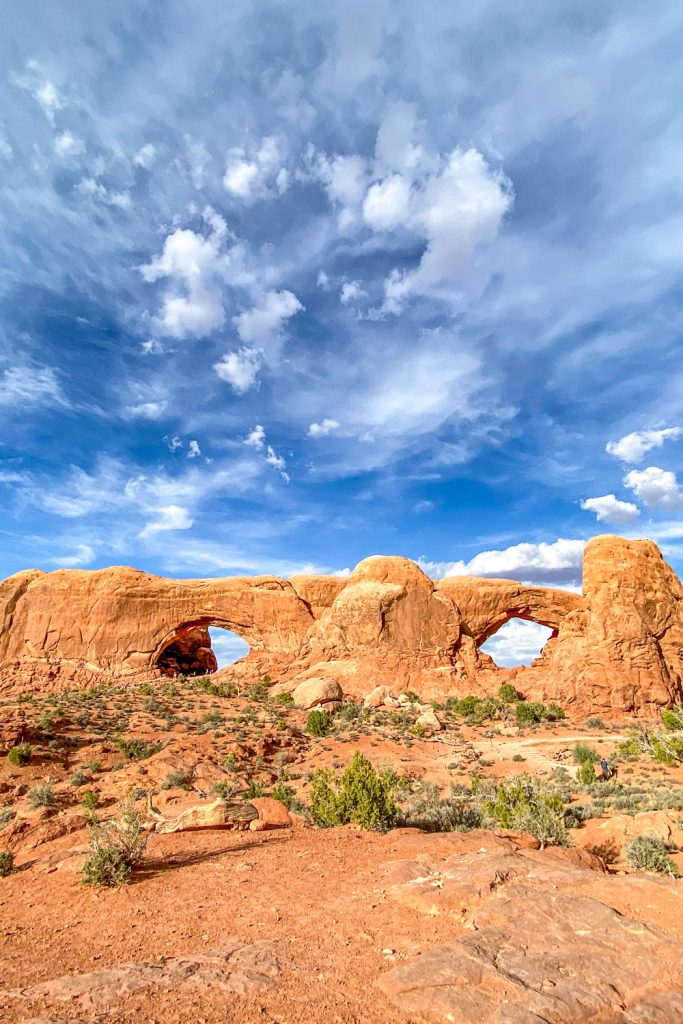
[187,648]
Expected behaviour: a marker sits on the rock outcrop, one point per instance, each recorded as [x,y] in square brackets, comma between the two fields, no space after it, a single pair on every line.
[619,646]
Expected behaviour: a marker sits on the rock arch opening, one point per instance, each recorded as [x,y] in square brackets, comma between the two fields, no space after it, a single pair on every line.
[517,642]
[198,649]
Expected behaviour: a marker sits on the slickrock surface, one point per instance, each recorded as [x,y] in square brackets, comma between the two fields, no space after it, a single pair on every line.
[619,647]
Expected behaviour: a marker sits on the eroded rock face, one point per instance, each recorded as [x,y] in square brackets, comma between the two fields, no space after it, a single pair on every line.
[617,647]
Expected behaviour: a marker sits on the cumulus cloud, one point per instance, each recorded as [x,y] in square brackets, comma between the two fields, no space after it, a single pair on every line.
[170,517]
[267,318]
[193,307]
[68,146]
[345,180]
[240,369]
[145,156]
[256,437]
[555,563]
[258,175]
[654,486]
[609,509]
[387,203]
[277,462]
[633,447]
[322,429]
[351,291]
[517,642]
[193,449]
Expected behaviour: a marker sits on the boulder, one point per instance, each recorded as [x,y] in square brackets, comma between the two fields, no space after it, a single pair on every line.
[378,697]
[318,691]
[430,721]
[271,814]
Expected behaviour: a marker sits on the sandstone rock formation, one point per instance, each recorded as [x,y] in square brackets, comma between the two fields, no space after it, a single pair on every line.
[617,647]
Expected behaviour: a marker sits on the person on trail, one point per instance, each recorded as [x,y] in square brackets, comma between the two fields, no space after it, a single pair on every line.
[605,769]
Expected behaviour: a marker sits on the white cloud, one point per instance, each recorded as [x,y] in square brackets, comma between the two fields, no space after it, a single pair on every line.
[145,156]
[351,291]
[327,426]
[67,146]
[256,438]
[172,443]
[654,486]
[96,190]
[633,447]
[394,149]
[250,177]
[194,263]
[170,517]
[277,462]
[44,92]
[147,410]
[240,369]
[193,449]
[517,642]
[323,280]
[609,509]
[31,385]
[83,555]
[267,317]
[151,347]
[555,563]
[387,203]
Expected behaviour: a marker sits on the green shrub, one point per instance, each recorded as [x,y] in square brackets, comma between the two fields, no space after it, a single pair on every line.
[117,846]
[508,694]
[90,800]
[177,779]
[361,796]
[412,697]
[206,685]
[136,749]
[259,691]
[285,699]
[586,773]
[664,747]
[42,796]
[6,815]
[285,794]
[595,723]
[646,853]
[585,754]
[531,712]
[254,789]
[318,723]
[6,863]
[428,810]
[79,777]
[524,804]
[518,758]
[225,789]
[672,718]
[19,755]
[475,710]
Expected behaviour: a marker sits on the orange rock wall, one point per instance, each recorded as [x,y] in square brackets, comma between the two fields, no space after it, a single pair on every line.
[619,647]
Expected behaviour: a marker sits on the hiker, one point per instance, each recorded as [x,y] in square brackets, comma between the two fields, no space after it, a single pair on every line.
[605,769]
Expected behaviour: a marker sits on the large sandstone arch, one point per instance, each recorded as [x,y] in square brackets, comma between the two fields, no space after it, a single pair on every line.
[619,646]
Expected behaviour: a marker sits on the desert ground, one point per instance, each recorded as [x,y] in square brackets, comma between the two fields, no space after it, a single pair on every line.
[443,916]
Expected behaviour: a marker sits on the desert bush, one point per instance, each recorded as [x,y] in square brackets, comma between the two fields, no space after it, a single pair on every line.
[524,804]
[80,777]
[42,796]
[136,749]
[585,754]
[285,699]
[647,853]
[178,779]
[318,722]
[595,722]
[90,800]
[532,712]
[259,691]
[19,755]
[508,694]
[428,810]
[361,796]
[206,685]
[351,711]
[117,846]
[664,747]
[672,718]
[6,815]
[586,773]
[254,789]
[285,794]
[475,710]
[6,863]
[412,697]
[225,788]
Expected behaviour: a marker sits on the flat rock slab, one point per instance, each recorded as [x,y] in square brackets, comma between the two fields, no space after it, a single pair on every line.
[237,967]
[532,951]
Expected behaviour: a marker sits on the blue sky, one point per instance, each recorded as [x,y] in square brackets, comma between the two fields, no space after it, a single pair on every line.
[288,284]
